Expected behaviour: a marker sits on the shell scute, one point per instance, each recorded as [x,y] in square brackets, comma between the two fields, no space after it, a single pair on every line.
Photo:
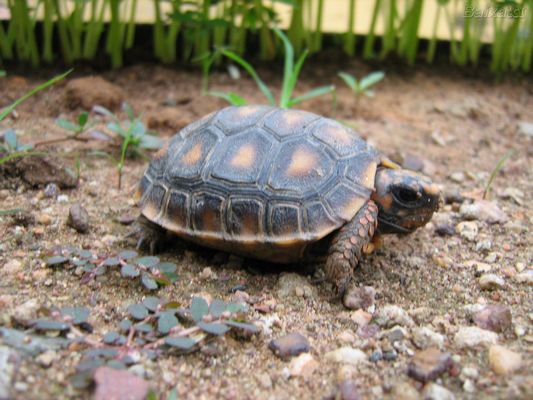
[289,122]
[242,157]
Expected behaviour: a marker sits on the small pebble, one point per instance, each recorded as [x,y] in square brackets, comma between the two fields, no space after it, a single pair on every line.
[424,337]
[429,364]
[525,277]
[361,317]
[346,355]
[390,355]
[51,191]
[360,298]
[62,198]
[504,361]
[376,356]
[467,230]
[432,391]
[78,218]
[491,282]
[483,210]
[12,267]
[472,337]
[289,345]
[494,317]
[304,365]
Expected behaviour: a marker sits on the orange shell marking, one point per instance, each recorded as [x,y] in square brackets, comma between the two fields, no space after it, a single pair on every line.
[244,158]
[302,162]
[193,155]
[340,135]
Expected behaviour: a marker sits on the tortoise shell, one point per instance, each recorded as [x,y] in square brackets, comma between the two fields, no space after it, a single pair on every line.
[259,181]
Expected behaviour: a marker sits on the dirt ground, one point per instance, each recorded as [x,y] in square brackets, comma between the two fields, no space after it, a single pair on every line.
[453,128]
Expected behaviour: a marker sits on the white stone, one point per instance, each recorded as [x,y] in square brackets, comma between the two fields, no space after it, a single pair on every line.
[472,336]
[432,391]
[504,361]
[391,315]
[424,337]
[346,355]
[304,365]
[12,267]
[525,277]
[491,282]
[467,230]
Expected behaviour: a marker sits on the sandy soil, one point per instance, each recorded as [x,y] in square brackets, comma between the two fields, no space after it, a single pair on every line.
[454,128]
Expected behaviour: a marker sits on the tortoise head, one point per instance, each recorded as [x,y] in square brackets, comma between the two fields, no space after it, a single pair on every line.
[406,200]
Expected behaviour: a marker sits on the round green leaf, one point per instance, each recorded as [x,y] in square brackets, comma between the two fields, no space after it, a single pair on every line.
[144,328]
[112,262]
[138,311]
[78,314]
[199,308]
[125,325]
[127,254]
[110,337]
[241,325]
[167,267]
[129,271]
[56,260]
[148,282]
[183,343]
[148,261]
[151,303]
[167,320]
[44,324]
[217,307]
[215,328]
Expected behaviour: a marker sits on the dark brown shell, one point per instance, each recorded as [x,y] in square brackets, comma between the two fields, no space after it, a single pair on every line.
[259,181]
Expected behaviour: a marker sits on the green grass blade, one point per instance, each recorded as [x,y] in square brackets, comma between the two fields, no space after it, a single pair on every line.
[371,79]
[311,94]
[288,70]
[6,111]
[294,78]
[349,80]
[262,86]
[231,97]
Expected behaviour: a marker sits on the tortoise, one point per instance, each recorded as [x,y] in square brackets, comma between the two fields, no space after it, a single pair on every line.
[280,185]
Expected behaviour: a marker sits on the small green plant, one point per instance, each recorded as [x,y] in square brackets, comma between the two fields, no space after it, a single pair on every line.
[291,72]
[76,128]
[497,168]
[133,135]
[362,87]
[149,270]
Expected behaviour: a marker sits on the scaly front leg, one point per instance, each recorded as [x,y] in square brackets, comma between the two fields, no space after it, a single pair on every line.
[348,246]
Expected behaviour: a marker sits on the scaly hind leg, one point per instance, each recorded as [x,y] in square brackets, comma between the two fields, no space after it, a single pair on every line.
[152,236]
[347,247]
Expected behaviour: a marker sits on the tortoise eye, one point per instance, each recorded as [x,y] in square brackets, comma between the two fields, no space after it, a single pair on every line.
[406,195]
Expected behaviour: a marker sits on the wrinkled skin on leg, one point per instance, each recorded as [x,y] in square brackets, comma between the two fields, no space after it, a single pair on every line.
[347,247]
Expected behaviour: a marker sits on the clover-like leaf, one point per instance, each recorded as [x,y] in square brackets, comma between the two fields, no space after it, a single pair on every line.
[236,307]
[127,254]
[199,308]
[111,337]
[251,328]
[167,320]
[215,328]
[125,325]
[129,271]
[148,261]
[183,343]
[152,303]
[144,328]
[217,307]
[148,282]
[44,324]
[138,311]
[111,262]
[56,260]
[167,267]
[78,314]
